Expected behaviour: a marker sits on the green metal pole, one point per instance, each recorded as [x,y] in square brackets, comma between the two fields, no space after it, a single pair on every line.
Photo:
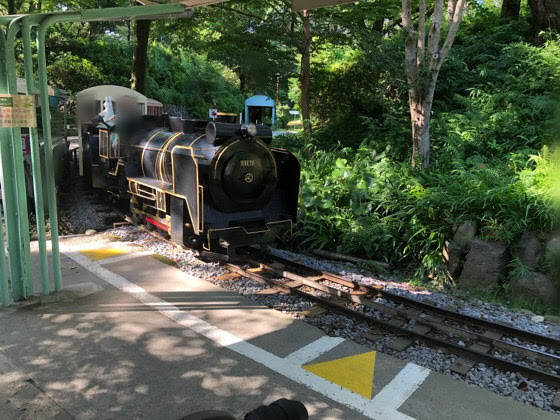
[47,139]
[27,286]
[9,191]
[36,160]
[85,15]
[4,285]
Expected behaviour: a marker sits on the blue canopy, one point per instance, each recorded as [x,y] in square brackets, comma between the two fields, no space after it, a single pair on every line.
[259,101]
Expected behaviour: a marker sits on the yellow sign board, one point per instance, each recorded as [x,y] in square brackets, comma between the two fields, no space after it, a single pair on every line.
[315,4]
[17,111]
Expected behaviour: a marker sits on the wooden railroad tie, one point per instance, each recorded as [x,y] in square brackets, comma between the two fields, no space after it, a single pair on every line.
[556,402]
[228,277]
[493,335]
[314,311]
[271,291]
[400,343]
[462,366]
[480,347]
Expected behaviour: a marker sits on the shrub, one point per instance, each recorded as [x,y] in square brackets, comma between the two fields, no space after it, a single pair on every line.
[73,73]
[363,203]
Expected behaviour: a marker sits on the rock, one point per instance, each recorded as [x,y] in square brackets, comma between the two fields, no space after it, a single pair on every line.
[453,256]
[485,265]
[90,232]
[534,285]
[529,249]
[526,312]
[552,319]
[552,248]
[538,319]
[464,234]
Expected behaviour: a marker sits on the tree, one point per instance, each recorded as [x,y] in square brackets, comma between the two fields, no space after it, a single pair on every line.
[305,73]
[510,9]
[423,62]
[140,57]
[546,16]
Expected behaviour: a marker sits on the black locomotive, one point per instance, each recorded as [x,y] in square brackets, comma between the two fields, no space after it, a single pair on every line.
[209,185]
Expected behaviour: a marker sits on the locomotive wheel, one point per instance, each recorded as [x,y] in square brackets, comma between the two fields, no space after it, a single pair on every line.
[194,242]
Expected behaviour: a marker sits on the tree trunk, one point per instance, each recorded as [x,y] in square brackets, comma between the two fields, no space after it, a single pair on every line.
[510,9]
[546,16]
[420,114]
[423,60]
[11,7]
[140,57]
[451,4]
[305,74]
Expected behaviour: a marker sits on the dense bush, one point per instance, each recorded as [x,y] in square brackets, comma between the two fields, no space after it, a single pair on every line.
[363,203]
[181,77]
[496,111]
[174,77]
[71,73]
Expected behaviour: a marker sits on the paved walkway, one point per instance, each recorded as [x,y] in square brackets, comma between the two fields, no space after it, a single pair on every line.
[131,337]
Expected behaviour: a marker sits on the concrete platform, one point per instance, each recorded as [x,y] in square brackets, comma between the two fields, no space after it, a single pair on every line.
[131,337]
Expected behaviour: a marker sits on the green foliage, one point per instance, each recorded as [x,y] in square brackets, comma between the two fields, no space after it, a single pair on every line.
[365,204]
[72,73]
[182,77]
[111,55]
[361,94]
[495,112]
[174,76]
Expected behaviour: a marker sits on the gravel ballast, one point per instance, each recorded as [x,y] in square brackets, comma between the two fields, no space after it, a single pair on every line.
[508,384]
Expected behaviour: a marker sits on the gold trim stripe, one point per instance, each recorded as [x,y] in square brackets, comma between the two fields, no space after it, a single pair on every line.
[144,149]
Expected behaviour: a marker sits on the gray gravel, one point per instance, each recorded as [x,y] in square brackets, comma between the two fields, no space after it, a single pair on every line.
[503,383]
[82,208]
[472,307]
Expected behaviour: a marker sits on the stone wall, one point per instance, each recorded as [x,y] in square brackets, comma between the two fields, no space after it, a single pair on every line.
[530,268]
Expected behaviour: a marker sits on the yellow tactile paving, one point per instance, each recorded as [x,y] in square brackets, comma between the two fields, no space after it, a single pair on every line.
[353,372]
[103,253]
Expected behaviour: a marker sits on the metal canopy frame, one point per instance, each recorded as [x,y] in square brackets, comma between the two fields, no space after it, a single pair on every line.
[17,263]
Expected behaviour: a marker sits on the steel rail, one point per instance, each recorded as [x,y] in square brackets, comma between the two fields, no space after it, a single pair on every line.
[340,305]
[496,326]
[340,299]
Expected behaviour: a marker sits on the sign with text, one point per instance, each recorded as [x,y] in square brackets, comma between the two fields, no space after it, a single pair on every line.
[17,111]
[315,4]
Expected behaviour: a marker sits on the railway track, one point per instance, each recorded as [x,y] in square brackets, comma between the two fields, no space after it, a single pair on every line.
[473,339]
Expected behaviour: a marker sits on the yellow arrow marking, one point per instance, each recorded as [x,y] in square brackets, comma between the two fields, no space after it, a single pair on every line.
[353,372]
[103,253]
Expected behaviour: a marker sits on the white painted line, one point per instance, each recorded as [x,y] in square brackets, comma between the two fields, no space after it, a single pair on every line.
[396,392]
[372,408]
[120,258]
[314,350]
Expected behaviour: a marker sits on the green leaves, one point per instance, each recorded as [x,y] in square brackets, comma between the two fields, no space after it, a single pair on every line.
[368,205]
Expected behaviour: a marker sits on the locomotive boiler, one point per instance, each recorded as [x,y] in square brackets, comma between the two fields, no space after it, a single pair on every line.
[209,185]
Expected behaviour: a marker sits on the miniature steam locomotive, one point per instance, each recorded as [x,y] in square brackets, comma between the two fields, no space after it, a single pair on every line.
[209,185]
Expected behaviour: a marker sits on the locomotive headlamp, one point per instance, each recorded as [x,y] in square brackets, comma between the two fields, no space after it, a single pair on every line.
[249,130]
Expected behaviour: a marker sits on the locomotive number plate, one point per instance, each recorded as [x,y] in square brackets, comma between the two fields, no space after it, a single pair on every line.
[247,163]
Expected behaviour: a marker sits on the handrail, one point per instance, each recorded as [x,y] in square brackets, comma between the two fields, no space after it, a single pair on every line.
[15,204]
